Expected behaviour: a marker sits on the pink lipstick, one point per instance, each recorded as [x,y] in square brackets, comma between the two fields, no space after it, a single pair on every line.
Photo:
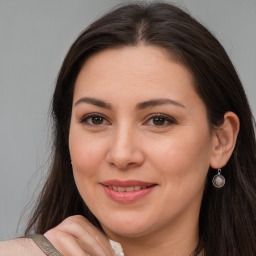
[127,191]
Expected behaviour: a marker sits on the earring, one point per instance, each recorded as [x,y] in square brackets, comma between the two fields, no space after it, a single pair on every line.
[218,180]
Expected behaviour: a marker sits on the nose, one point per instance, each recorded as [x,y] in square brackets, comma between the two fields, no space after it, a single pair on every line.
[125,150]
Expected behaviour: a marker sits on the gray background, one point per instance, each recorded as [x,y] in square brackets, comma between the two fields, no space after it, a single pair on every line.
[34,38]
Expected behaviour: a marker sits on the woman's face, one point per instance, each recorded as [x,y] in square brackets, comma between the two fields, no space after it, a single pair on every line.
[139,141]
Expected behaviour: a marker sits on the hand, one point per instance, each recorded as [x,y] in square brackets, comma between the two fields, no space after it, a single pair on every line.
[76,236]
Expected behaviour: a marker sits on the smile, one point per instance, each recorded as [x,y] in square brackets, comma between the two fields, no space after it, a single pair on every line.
[127,191]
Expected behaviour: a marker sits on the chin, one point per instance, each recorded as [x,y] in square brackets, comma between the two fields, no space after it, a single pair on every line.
[129,229]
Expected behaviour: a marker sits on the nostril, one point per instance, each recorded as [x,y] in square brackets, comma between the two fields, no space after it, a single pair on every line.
[125,160]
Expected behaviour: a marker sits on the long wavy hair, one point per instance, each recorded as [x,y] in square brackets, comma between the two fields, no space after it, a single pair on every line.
[227,221]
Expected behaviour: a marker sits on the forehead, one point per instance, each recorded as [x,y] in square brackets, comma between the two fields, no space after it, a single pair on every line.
[138,71]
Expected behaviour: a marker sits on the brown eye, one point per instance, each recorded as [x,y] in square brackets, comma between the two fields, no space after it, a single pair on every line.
[97,120]
[159,120]
[94,120]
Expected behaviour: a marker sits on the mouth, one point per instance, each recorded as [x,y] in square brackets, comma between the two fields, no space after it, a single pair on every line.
[127,191]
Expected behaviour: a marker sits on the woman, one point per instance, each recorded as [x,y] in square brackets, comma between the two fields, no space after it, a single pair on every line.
[154,144]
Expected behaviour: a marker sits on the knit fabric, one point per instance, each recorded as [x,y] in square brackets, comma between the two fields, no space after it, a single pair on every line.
[45,245]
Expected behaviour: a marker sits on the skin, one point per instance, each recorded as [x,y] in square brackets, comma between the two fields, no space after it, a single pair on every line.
[21,246]
[114,134]
[125,143]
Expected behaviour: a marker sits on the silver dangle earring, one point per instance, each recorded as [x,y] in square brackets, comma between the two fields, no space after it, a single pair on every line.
[218,180]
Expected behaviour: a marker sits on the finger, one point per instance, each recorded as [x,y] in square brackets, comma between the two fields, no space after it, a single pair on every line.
[89,238]
[66,244]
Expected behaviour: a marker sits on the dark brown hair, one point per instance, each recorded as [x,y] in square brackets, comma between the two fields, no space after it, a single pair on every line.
[227,221]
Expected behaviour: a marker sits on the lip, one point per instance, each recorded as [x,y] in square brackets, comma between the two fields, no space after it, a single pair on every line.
[127,196]
[127,183]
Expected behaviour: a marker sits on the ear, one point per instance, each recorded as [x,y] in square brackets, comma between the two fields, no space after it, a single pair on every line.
[224,140]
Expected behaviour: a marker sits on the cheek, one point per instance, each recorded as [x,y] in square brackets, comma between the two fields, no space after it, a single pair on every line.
[183,159]
[86,154]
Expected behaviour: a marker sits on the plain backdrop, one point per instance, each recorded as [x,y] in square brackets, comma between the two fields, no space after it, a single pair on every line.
[34,38]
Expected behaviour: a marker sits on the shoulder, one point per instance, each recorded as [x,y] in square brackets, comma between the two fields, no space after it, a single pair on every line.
[20,246]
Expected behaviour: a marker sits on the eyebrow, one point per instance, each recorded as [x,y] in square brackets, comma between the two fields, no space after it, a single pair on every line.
[139,106]
[158,102]
[95,102]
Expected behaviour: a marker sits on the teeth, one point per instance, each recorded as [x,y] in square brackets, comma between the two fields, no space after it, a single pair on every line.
[136,188]
[127,189]
[121,189]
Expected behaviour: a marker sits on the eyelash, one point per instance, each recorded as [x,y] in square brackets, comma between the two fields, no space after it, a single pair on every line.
[85,119]
[168,119]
